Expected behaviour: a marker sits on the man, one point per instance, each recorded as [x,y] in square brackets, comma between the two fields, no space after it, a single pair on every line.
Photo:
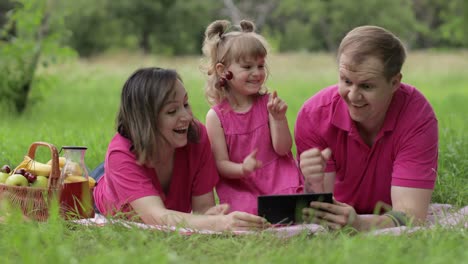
[370,139]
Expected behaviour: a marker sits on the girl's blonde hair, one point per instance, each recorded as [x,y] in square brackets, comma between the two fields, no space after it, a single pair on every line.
[223,45]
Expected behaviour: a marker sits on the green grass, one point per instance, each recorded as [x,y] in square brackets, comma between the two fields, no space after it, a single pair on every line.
[76,103]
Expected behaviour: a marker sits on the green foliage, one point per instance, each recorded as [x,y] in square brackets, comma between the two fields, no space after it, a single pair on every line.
[320,25]
[37,33]
[176,27]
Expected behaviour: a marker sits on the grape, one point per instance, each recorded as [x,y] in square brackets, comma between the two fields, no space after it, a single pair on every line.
[6,169]
[31,177]
[21,171]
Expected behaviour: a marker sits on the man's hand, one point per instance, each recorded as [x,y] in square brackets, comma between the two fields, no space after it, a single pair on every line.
[312,164]
[334,216]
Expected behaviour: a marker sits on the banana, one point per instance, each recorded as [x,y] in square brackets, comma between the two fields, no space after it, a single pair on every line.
[22,165]
[92,182]
[36,168]
[61,162]
[74,178]
[77,178]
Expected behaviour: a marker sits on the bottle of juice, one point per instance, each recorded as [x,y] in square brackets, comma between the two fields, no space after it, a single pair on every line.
[76,200]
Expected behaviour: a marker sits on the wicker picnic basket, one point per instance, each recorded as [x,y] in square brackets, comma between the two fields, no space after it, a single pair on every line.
[34,202]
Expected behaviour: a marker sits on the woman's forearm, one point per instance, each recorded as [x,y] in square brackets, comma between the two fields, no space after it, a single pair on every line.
[174,218]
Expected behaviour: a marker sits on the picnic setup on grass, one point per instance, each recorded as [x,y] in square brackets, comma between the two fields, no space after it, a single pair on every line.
[33,186]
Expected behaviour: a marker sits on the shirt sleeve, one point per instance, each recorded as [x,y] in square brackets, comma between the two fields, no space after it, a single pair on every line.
[306,137]
[206,176]
[416,160]
[128,180]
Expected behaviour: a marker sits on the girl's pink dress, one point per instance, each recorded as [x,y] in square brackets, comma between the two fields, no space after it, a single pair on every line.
[245,132]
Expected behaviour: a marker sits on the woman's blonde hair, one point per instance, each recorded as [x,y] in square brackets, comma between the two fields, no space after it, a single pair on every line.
[223,44]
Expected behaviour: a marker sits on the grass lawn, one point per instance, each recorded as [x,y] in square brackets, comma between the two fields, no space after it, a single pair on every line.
[76,104]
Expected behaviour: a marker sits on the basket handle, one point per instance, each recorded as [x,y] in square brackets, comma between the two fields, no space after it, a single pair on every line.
[55,172]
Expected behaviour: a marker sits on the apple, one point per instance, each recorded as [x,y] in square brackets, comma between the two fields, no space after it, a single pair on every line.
[17,180]
[41,182]
[3,177]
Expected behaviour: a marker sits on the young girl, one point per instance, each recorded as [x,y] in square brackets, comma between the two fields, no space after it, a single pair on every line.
[159,164]
[247,127]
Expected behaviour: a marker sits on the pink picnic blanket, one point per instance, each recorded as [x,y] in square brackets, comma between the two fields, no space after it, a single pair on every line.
[442,215]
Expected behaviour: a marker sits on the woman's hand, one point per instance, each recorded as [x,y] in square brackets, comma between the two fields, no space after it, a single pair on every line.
[241,221]
[219,209]
[334,216]
[277,107]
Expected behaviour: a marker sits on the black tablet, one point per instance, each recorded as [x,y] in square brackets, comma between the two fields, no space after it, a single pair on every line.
[287,208]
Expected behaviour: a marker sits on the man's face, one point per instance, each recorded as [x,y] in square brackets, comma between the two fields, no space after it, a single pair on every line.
[366,90]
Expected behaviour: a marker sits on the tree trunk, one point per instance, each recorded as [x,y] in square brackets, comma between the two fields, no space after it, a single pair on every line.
[21,98]
[145,42]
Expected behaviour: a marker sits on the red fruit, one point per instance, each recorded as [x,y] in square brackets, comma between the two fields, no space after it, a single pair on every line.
[229,75]
[31,177]
[6,169]
[21,171]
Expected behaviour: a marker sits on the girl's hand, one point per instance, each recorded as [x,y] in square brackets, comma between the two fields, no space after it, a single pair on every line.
[219,209]
[241,221]
[251,163]
[277,107]
[334,216]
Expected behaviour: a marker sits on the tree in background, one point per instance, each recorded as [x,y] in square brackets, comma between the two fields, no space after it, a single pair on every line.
[35,34]
[320,25]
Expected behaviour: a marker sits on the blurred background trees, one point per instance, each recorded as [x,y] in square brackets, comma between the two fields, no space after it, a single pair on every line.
[33,29]
[175,27]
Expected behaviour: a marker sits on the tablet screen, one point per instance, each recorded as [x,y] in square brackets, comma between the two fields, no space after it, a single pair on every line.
[287,208]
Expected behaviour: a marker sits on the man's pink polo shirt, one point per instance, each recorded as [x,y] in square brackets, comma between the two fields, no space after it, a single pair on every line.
[404,154]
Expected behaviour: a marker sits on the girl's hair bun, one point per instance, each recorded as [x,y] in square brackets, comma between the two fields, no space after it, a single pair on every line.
[247,26]
[217,28]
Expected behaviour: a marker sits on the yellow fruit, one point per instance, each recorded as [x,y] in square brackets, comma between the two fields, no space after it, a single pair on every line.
[61,162]
[36,168]
[72,168]
[92,182]
[74,178]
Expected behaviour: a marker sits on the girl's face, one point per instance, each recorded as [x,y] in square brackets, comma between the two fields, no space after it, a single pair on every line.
[366,91]
[248,76]
[175,118]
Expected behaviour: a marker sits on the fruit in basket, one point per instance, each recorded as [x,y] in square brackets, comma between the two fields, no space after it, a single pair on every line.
[21,171]
[41,182]
[17,180]
[3,177]
[31,177]
[35,167]
[61,162]
[5,169]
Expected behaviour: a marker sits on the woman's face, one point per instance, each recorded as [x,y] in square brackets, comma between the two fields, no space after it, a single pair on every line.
[366,91]
[175,118]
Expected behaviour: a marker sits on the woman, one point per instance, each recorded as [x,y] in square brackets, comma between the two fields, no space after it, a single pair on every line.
[159,166]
